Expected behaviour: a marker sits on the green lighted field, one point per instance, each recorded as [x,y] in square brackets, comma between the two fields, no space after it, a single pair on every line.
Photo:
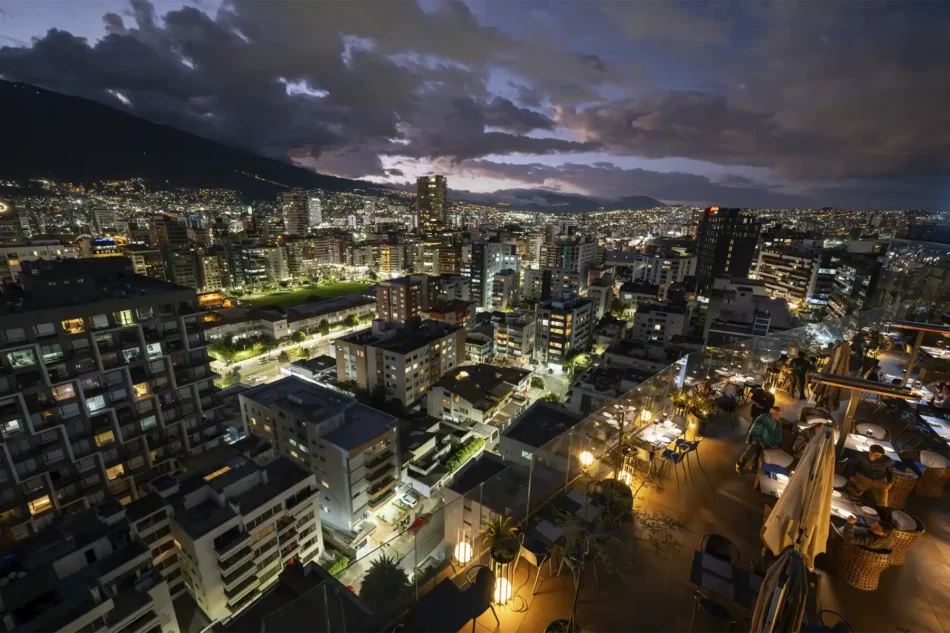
[289,298]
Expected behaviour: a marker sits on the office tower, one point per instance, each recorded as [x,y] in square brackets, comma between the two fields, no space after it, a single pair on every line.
[168,230]
[405,297]
[14,255]
[480,262]
[316,212]
[802,277]
[209,273]
[180,266]
[105,385]
[565,325]
[727,239]
[369,213]
[146,261]
[104,221]
[431,203]
[576,254]
[350,447]
[404,360]
[296,212]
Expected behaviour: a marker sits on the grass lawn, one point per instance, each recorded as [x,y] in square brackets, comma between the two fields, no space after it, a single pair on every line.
[288,298]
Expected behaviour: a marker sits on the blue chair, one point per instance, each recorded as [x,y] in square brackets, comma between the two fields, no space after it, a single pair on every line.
[690,447]
[711,609]
[677,459]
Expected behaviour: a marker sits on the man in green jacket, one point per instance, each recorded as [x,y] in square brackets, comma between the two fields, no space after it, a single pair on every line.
[764,432]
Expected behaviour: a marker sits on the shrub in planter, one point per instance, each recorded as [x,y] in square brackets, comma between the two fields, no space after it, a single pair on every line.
[499,535]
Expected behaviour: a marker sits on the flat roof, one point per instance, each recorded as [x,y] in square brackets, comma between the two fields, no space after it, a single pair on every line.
[327,306]
[408,339]
[474,383]
[541,422]
[475,473]
[317,364]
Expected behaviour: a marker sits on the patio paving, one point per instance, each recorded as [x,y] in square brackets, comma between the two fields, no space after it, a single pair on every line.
[713,498]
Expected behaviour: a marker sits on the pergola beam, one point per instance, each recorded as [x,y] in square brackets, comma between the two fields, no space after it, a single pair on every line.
[921,329]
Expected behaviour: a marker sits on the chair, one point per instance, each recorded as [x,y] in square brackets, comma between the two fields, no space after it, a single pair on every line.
[778,457]
[645,456]
[815,412]
[903,539]
[727,404]
[676,458]
[834,621]
[688,448]
[483,589]
[536,554]
[719,546]
[855,565]
[904,484]
[711,609]
[870,429]
[931,477]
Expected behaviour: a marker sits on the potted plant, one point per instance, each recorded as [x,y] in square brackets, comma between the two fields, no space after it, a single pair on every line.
[499,536]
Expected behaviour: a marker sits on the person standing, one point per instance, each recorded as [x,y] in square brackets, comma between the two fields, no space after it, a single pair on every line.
[872,471]
[764,432]
[800,368]
[762,401]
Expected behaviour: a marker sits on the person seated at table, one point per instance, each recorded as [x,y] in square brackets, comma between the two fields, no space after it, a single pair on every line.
[872,471]
[762,401]
[764,432]
[878,537]
[941,399]
[800,368]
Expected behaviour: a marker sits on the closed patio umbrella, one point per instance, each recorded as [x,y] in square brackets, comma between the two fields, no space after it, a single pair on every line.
[829,397]
[802,514]
[780,606]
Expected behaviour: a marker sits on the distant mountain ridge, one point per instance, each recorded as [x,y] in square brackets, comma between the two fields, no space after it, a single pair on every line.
[72,139]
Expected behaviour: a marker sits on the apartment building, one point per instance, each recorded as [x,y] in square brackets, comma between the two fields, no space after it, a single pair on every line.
[88,572]
[481,261]
[660,321]
[350,448]
[405,360]
[405,297]
[565,325]
[209,273]
[12,256]
[105,384]
[146,261]
[666,269]
[506,290]
[801,277]
[237,524]
[453,312]
[455,287]
[482,394]
[575,254]
[515,336]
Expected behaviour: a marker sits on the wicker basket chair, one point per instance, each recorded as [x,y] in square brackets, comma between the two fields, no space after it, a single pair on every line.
[855,565]
[904,484]
[815,412]
[931,480]
[903,539]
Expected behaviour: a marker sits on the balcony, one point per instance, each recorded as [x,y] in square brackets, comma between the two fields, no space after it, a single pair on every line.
[378,502]
[243,555]
[378,460]
[381,487]
[285,522]
[289,551]
[229,542]
[232,580]
[236,593]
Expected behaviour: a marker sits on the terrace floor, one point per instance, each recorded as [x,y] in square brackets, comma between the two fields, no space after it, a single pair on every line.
[914,597]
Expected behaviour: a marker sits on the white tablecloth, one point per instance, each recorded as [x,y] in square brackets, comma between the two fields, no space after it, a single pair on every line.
[863,443]
[660,433]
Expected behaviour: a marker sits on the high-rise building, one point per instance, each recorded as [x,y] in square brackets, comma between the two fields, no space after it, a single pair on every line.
[11,225]
[480,262]
[565,325]
[209,272]
[146,261]
[13,255]
[180,266]
[727,239]
[296,212]
[405,297]
[316,212]
[169,230]
[350,447]
[664,270]
[105,385]
[802,277]
[104,221]
[369,213]
[431,203]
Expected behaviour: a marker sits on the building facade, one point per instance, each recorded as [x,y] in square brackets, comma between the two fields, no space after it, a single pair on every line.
[565,325]
[431,203]
[727,239]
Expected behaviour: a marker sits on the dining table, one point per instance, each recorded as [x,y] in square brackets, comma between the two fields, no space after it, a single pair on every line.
[936,352]
[660,433]
[863,443]
[842,506]
[941,428]
[735,584]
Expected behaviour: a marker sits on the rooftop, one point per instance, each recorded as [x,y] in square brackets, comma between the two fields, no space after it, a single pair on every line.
[317,364]
[540,423]
[328,306]
[414,336]
[482,385]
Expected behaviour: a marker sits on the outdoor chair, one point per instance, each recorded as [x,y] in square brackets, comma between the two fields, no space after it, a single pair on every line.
[480,594]
[932,471]
[687,447]
[535,553]
[904,538]
[719,546]
[855,565]
[834,621]
[728,405]
[904,484]
[807,415]
[671,456]
[644,456]
[711,609]
[916,431]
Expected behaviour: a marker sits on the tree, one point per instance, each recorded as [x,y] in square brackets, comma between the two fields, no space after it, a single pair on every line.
[233,377]
[537,382]
[551,397]
[324,328]
[367,318]
[616,307]
[298,336]
[283,357]
[351,321]
[384,580]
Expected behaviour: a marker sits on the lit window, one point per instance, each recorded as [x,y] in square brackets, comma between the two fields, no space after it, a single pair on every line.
[124,317]
[116,471]
[41,504]
[266,428]
[325,484]
[64,392]
[105,438]
[216,473]
[294,454]
[73,326]
[293,442]
[141,390]
[21,358]
[254,421]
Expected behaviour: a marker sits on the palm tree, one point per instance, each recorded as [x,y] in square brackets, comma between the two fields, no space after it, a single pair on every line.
[499,535]
[384,580]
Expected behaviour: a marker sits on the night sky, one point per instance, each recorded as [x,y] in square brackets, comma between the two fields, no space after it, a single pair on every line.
[757,104]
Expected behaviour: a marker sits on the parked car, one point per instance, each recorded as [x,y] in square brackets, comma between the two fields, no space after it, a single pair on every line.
[408,500]
[418,524]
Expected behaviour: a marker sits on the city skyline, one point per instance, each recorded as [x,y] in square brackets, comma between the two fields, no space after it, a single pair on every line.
[764,106]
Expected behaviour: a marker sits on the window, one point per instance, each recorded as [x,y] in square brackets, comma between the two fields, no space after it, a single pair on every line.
[325,484]
[104,438]
[98,321]
[51,353]
[266,428]
[116,471]
[144,313]
[131,354]
[44,329]
[64,392]
[294,454]
[148,423]
[40,504]
[96,403]
[154,350]
[141,390]
[21,358]
[124,317]
[73,326]
[11,427]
